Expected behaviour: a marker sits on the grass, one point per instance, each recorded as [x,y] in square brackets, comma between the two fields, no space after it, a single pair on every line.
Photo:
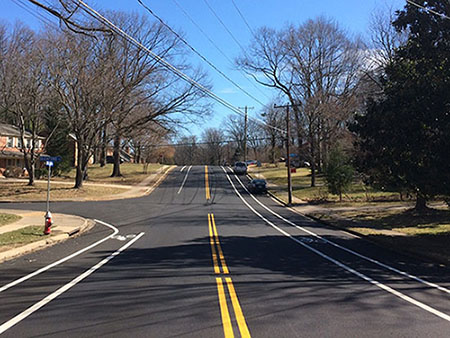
[23,236]
[426,233]
[301,186]
[20,191]
[132,173]
[8,218]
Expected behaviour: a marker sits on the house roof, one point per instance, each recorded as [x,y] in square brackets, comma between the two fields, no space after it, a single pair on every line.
[11,130]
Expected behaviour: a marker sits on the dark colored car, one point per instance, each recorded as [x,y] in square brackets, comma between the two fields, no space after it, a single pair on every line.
[240,168]
[257,186]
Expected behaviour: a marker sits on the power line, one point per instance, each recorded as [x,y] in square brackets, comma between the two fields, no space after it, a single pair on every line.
[428,10]
[198,53]
[216,46]
[36,14]
[243,18]
[224,26]
[166,64]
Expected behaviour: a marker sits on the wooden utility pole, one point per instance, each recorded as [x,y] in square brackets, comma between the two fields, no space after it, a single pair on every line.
[245,130]
[288,155]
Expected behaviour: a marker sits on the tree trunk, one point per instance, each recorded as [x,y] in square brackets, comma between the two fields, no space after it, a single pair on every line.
[29,166]
[103,149]
[421,202]
[116,155]
[313,161]
[79,169]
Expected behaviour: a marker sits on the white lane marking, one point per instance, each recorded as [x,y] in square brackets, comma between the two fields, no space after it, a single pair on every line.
[21,316]
[62,260]
[181,170]
[185,178]
[342,265]
[388,267]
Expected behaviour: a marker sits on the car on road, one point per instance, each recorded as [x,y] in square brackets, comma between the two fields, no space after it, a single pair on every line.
[257,186]
[240,168]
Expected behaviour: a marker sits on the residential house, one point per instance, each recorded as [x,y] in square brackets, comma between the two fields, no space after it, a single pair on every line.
[10,146]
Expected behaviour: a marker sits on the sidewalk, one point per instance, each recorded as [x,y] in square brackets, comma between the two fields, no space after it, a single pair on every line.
[63,227]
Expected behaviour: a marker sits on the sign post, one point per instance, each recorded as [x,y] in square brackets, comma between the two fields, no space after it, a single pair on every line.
[49,162]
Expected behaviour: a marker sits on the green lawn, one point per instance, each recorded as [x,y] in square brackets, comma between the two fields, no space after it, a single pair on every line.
[8,218]
[23,236]
[301,186]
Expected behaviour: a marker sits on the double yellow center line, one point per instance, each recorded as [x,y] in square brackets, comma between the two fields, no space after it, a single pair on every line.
[220,266]
[208,195]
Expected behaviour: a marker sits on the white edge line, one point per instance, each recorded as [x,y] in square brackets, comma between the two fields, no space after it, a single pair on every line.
[62,260]
[342,265]
[181,170]
[185,178]
[21,316]
[388,267]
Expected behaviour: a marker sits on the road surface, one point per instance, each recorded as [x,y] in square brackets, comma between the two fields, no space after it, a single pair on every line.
[201,257]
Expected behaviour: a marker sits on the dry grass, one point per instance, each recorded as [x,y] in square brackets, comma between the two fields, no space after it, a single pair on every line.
[132,173]
[22,236]
[8,218]
[426,233]
[20,191]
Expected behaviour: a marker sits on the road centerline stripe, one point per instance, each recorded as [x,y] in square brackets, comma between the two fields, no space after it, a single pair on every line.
[225,314]
[207,193]
[219,248]
[21,316]
[340,264]
[213,248]
[243,329]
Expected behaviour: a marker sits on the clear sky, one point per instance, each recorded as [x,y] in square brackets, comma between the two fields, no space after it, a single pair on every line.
[352,15]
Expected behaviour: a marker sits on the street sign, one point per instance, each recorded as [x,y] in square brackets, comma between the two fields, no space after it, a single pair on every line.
[49,163]
[50,158]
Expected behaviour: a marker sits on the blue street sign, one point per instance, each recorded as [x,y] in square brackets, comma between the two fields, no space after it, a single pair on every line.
[49,163]
[50,158]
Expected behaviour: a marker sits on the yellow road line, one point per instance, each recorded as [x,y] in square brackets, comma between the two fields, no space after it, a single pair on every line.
[219,248]
[226,321]
[237,309]
[208,196]
[213,248]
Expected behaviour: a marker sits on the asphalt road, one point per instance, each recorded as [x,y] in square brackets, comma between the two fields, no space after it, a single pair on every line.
[201,257]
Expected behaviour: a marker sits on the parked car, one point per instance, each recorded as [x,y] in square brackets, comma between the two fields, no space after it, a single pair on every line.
[240,168]
[257,186]
[251,162]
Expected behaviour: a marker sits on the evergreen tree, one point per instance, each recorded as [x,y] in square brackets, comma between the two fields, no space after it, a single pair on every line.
[405,135]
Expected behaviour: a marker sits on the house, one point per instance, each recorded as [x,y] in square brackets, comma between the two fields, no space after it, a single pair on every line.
[11,148]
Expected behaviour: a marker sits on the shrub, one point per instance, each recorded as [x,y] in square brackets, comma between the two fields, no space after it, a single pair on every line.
[338,173]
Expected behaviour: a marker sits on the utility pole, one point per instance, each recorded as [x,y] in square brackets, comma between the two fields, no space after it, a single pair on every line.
[245,130]
[288,155]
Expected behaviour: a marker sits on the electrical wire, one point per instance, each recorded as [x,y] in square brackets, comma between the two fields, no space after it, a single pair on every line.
[428,10]
[243,18]
[186,14]
[224,26]
[36,14]
[198,53]
[166,64]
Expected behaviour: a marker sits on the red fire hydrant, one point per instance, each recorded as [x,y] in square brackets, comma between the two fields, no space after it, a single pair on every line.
[48,223]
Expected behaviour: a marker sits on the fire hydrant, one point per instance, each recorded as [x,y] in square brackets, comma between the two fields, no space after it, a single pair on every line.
[48,223]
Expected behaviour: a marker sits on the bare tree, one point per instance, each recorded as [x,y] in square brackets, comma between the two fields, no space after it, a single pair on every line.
[315,66]
[213,140]
[24,92]
[235,131]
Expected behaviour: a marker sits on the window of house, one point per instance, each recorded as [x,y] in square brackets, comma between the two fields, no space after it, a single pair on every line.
[10,142]
[28,143]
[19,143]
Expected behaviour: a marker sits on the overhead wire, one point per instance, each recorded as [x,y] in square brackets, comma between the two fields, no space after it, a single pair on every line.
[428,10]
[198,53]
[95,14]
[186,14]
[243,18]
[36,14]
[223,25]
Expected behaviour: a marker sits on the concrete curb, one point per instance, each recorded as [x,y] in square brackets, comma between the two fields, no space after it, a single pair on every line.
[45,243]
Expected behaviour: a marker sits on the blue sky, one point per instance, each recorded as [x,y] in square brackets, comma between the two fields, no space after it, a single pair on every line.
[352,15]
